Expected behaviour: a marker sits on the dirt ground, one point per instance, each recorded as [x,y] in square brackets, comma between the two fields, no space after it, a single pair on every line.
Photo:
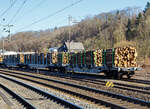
[145,73]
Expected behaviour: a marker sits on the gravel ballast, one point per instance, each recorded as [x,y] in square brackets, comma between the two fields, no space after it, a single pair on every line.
[72,99]
[35,99]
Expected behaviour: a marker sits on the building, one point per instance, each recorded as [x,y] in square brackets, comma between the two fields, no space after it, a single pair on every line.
[74,47]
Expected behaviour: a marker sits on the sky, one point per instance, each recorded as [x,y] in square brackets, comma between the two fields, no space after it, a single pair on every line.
[24,14]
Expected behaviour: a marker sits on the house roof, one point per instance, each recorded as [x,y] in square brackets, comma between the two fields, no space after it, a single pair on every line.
[75,45]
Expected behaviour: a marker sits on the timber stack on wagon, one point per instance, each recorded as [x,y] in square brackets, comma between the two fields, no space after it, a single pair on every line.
[21,58]
[1,59]
[62,57]
[121,57]
[54,57]
[87,58]
[65,57]
[98,57]
[116,57]
[125,57]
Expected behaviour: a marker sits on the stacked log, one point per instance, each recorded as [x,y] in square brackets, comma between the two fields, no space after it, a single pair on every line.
[21,58]
[119,57]
[125,57]
[54,57]
[98,57]
[1,58]
[87,58]
[65,59]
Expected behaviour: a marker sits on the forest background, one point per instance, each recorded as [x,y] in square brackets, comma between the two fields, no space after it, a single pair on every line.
[127,27]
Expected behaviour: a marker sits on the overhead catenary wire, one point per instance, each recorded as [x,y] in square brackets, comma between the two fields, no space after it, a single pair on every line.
[32,9]
[17,12]
[36,6]
[51,15]
[13,3]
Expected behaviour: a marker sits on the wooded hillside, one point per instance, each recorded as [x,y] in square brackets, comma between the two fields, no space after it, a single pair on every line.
[130,26]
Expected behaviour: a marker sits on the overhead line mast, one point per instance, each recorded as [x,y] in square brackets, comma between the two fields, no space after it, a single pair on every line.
[8,30]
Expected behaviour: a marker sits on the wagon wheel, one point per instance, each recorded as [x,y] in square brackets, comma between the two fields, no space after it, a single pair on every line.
[128,76]
[117,75]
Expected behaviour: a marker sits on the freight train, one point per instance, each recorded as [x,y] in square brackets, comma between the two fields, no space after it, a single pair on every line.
[114,63]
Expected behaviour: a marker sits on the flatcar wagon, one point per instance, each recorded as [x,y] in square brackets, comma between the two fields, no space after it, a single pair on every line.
[112,62]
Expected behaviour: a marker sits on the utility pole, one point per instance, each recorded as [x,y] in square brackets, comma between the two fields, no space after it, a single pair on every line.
[8,30]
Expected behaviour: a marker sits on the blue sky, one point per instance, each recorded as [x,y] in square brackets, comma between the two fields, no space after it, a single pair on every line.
[32,12]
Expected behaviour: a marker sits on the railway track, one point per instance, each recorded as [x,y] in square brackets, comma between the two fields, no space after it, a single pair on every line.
[40,99]
[108,96]
[97,77]
[119,85]
[126,85]
[138,81]
[8,100]
[4,101]
[21,100]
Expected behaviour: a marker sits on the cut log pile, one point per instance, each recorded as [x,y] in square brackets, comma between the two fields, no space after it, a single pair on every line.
[98,57]
[65,56]
[21,58]
[54,58]
[1,58]
[125,57]
[118,57]
[87,58]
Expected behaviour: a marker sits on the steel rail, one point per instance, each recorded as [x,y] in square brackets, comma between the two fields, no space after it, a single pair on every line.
[24,102]
[99,101]
[46,94]
[65,83]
